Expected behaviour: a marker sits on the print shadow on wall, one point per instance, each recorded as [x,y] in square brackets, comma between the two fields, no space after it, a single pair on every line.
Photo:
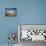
[10,11]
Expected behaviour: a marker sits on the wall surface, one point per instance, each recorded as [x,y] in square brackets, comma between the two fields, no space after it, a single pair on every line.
[28,12]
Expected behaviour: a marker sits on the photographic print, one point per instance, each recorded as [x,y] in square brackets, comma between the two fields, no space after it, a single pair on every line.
[10,11]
